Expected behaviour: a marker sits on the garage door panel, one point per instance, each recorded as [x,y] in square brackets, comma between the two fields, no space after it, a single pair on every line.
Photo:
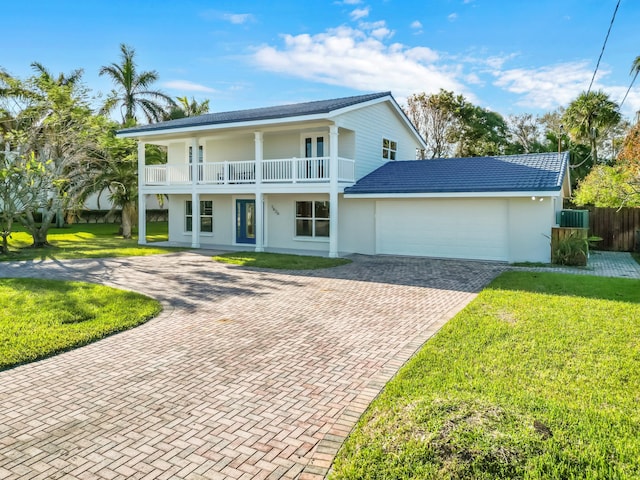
[446,228]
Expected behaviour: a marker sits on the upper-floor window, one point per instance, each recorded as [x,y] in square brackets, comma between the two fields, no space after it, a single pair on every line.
[200,154]
[389,149]
[314,145]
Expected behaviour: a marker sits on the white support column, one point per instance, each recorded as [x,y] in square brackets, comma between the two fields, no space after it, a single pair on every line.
[195,165]
[259,222]
[259,154]
[333,191]
[142,203]
[195,196]
[195,220]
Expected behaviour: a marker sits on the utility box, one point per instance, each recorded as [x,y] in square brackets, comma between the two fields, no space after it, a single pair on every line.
[573,218]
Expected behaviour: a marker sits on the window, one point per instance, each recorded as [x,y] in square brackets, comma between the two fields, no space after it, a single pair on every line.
[314,145]
[312,219]
[206,216]
[200,154]
[389,149]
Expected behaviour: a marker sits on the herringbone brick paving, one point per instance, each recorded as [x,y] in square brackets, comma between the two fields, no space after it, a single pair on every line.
[246,373]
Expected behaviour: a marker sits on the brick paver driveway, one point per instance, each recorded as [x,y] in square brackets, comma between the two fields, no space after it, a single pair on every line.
[246,374]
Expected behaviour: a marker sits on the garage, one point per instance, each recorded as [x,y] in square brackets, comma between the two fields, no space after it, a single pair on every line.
[444,227]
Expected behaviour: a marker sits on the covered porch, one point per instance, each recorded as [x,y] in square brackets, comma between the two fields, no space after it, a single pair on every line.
[266,221]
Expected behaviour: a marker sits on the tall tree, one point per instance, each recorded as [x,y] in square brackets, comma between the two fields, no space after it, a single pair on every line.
[49,125]
[133,90]
[481,132]
[434,115]
[451,125]
[525,133]
[187,108]
[112,171]
[589,117]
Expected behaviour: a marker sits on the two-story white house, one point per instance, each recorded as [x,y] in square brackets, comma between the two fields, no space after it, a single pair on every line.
[272,177]
[327,176]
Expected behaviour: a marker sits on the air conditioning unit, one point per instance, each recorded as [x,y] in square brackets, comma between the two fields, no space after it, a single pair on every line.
[573,218]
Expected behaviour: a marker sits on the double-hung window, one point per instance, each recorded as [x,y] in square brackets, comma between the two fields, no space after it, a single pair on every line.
[389,149]
[206,216]
[312,219]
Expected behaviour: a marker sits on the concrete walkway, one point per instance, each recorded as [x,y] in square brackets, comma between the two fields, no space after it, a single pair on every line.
[601,264]
[246,373]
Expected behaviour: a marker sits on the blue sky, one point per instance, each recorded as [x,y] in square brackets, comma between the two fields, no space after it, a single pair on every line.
[511,56]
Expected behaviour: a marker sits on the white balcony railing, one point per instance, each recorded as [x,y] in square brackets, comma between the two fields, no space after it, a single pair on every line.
[167,174]
[287,170]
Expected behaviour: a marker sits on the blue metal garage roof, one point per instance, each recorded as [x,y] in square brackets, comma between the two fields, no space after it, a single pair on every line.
[507,173]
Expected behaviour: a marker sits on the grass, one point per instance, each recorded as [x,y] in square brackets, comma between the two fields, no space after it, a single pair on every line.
[86,241]
[39,318]
[279,261]
[538,378]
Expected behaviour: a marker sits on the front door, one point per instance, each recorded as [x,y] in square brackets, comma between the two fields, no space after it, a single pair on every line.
[246,221]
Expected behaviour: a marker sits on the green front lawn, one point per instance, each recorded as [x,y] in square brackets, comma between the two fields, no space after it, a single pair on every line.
[279,261]
[86,241]
[39,318]
[538,378]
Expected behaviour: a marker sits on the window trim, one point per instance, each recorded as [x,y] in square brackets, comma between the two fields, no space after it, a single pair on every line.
[202,215]
[313,237]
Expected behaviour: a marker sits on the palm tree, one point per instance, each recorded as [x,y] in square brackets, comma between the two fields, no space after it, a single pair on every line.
[133,90]
[590,115]
[63,80]
[188,108]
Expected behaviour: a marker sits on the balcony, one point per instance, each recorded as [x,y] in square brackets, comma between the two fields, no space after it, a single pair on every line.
[289,170]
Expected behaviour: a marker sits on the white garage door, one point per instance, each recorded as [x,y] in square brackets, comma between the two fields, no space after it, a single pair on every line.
[448,228]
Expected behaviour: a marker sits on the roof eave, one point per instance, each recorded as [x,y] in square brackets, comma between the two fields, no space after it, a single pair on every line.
[468,194]
[221,126]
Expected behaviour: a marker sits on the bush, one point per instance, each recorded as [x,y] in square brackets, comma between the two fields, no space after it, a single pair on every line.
[573,250]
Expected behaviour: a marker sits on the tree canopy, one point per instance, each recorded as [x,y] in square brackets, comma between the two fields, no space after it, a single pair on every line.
[133,90]
[453,126]
[590,116]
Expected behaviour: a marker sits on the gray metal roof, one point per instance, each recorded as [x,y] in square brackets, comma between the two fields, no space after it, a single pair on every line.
[257,114]
[507,173]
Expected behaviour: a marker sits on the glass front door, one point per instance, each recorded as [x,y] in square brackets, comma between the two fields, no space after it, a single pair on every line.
[246,221]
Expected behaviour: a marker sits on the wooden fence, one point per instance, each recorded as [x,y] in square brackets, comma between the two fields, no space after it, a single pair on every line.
[618,228]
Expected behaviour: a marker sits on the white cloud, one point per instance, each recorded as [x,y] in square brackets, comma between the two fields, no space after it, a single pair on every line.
[452,17]
[473,79]
[351,2]
[237,18]
[416,25]
[186,85]
[497,61]
[359,59]
[359,13]
[548,86]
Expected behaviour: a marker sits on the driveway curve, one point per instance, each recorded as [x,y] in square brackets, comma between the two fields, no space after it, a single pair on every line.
[246,374]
